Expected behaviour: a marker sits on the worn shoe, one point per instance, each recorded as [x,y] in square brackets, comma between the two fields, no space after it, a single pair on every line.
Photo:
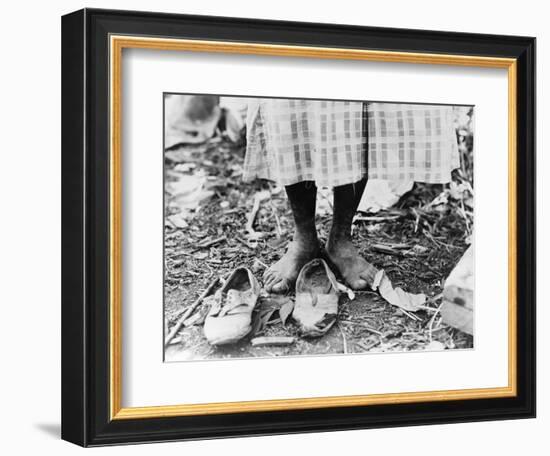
[316,306]
[230,317]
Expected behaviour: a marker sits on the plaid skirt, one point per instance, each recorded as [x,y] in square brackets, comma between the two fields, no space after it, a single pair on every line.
[340,142]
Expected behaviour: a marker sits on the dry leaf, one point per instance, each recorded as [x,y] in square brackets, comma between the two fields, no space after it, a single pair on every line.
[188,191]
[186,185]
[456,191]
[266,308]
[377,279]
[442,198]
[178,220]
[381,194]
[285,311]
[260,320]
[434,345]
[396,296]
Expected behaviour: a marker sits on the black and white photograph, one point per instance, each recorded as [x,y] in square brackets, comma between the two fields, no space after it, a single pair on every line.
[300,227]
[275,228]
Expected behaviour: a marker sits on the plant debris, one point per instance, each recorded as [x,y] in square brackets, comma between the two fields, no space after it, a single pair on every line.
[215,223]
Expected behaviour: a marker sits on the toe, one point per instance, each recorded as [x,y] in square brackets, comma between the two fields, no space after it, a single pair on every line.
[273,282]
[358,284]
[280,286]
[368,276]
[268,282]
[267,274]
[270,278]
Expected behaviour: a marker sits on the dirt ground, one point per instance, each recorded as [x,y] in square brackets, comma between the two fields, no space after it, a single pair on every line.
[416,242]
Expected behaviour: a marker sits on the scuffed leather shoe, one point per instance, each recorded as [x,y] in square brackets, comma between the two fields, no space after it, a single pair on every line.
[230,317]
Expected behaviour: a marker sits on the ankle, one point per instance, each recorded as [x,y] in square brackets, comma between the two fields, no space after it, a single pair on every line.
[338,238]
[306,241]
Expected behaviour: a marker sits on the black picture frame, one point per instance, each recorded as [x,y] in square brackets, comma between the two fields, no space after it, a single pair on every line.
[85,227]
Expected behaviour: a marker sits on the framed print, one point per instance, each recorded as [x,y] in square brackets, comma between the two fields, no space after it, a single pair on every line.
[278,227]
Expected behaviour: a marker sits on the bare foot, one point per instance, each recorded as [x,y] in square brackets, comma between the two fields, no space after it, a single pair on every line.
[356,271]
[281,276]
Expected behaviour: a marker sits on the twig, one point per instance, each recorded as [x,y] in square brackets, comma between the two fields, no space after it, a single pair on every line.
[243,242]
[367,218]
[432,238]
[463,213]
[417,219]
[252,215]
[189,310]
[363,325]
[327,199]
[439,328]
[427,308]
[261,262]
[274,340]
[344,342]
[204,245]
[175,341]
[277,221]
[436,297]
[180,312]
[193,273]
[410,315]
[386,249]
[430,330]
[194,319]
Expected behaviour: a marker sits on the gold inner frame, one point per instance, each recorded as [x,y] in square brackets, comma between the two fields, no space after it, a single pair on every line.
[117,44]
